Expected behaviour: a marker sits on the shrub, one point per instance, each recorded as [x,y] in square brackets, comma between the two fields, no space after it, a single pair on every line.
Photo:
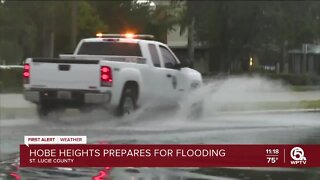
[11,80]
[295,79]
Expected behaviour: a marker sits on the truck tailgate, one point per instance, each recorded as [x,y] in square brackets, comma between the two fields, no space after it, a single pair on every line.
[65,74]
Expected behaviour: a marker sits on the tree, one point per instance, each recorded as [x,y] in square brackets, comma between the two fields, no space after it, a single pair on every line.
[47,28]
[41,28]
[15,31]
[140,18]
[235,30]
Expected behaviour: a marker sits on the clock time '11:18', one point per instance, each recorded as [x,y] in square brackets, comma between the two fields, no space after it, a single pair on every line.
[272,151]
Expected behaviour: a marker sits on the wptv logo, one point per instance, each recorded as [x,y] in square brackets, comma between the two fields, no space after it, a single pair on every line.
[297,154]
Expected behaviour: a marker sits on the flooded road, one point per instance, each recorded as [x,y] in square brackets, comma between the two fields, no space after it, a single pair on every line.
[156,128]
[169,127]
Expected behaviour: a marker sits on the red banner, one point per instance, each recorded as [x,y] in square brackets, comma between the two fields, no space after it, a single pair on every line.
[164,155]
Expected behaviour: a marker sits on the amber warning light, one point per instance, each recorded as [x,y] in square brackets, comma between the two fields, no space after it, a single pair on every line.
[99,34]
[129,35]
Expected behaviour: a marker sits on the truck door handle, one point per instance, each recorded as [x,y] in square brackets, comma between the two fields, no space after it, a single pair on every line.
[169,75]
[64,67]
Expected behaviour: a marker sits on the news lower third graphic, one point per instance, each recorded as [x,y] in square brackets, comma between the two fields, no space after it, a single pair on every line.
[73,151]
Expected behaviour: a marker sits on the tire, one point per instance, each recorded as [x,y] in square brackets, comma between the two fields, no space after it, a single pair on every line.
[85,110]
[196,111]
[127,103]
[43,112]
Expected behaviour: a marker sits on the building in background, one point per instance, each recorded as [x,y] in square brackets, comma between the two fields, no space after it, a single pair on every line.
[179,44]
[305,60]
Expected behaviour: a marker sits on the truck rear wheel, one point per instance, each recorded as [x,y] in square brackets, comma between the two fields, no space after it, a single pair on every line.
[127,103]
[43,112]
[85,109]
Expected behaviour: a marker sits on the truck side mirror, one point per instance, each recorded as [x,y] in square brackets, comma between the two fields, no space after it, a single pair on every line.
[169,65]
[186,63]
[177,66]
[173,66]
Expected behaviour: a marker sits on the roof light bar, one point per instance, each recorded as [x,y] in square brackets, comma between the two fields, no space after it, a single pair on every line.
[128,36]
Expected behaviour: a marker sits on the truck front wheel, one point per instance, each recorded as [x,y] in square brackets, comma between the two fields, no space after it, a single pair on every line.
[195,111]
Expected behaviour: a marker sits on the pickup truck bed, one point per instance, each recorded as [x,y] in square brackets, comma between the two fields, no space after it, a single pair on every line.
[65,82]
[65,73]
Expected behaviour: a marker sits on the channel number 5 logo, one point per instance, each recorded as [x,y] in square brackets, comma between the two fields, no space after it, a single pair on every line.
[297,154]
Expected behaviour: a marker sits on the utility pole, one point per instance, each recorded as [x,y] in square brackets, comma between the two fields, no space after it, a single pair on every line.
[191,43]
[48,35]
[284,63]
[52,30]
[74,29]
[51,45]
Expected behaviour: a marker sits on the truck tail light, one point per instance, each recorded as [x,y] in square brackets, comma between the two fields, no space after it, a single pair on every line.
[26,74]
[105,76]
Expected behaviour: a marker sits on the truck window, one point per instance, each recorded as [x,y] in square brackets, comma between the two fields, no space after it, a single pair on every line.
[110,48]
[154,55]
[168,59]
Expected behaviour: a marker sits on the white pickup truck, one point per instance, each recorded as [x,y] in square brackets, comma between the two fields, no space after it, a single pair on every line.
[109,71]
